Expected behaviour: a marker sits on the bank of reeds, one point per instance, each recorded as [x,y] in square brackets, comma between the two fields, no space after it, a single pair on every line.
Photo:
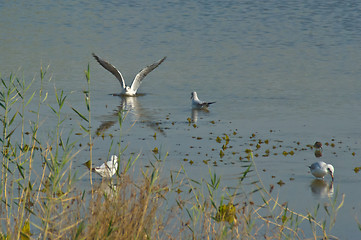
[48,205]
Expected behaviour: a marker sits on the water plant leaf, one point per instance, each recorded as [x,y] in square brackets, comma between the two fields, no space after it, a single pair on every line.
[25,233]
[79,114]
[29,100]
[226,213]
[245,173]
[88,164]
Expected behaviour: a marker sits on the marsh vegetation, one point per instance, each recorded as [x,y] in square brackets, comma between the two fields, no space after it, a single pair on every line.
[137,202]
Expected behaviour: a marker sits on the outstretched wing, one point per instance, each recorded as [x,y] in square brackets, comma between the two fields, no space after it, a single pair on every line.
[144,72]
[111,69]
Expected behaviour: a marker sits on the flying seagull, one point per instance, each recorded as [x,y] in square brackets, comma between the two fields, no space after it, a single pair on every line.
[126,90]
[196,103]
[108,169]
[321,169]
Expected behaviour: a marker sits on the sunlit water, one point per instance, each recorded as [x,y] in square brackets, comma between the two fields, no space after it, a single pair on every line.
[287,71]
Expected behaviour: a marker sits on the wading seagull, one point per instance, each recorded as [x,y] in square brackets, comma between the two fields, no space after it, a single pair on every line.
[196,103]
[126,90]
[321,169]
[108,169]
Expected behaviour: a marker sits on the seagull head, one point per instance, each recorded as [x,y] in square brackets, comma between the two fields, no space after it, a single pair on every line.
[194,95]
[330,170]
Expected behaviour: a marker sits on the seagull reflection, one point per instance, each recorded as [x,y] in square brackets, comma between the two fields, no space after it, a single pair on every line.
[196,112]
[106,188]
[321,188]
[131,107]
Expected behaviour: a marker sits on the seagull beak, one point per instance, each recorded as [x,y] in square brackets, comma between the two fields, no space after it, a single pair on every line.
[331,176]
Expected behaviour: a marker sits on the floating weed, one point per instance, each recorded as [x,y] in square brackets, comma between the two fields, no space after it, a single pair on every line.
[226,138]
[155,150]
[248,151]
[221,154]
[281,183]
[218,140]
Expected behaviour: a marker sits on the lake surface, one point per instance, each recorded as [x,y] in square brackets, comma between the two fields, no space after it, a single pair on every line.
[286,71]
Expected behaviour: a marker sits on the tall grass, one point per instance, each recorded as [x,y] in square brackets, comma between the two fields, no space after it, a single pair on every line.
[48,204]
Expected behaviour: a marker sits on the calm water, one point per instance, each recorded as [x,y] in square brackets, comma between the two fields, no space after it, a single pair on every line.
[287,71]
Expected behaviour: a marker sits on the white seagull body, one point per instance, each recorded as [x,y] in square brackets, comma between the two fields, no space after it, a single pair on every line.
[321,169]
[126,90]
[196,103]
[108,169]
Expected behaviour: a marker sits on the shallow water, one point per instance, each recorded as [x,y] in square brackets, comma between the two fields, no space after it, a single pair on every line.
[285,71]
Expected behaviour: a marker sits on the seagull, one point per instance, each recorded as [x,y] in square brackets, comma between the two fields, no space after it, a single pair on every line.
[126,90]
[320,169]
[108,169]
[196,103]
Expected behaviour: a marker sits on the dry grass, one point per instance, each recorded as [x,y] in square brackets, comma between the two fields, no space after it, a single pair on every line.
[125,210]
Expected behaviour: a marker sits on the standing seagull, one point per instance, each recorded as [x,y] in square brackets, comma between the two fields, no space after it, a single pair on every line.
[107,169]
[320,169]
[196,103]
[126,90]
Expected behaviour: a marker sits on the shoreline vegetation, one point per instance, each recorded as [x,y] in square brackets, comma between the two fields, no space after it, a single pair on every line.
[49,205]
